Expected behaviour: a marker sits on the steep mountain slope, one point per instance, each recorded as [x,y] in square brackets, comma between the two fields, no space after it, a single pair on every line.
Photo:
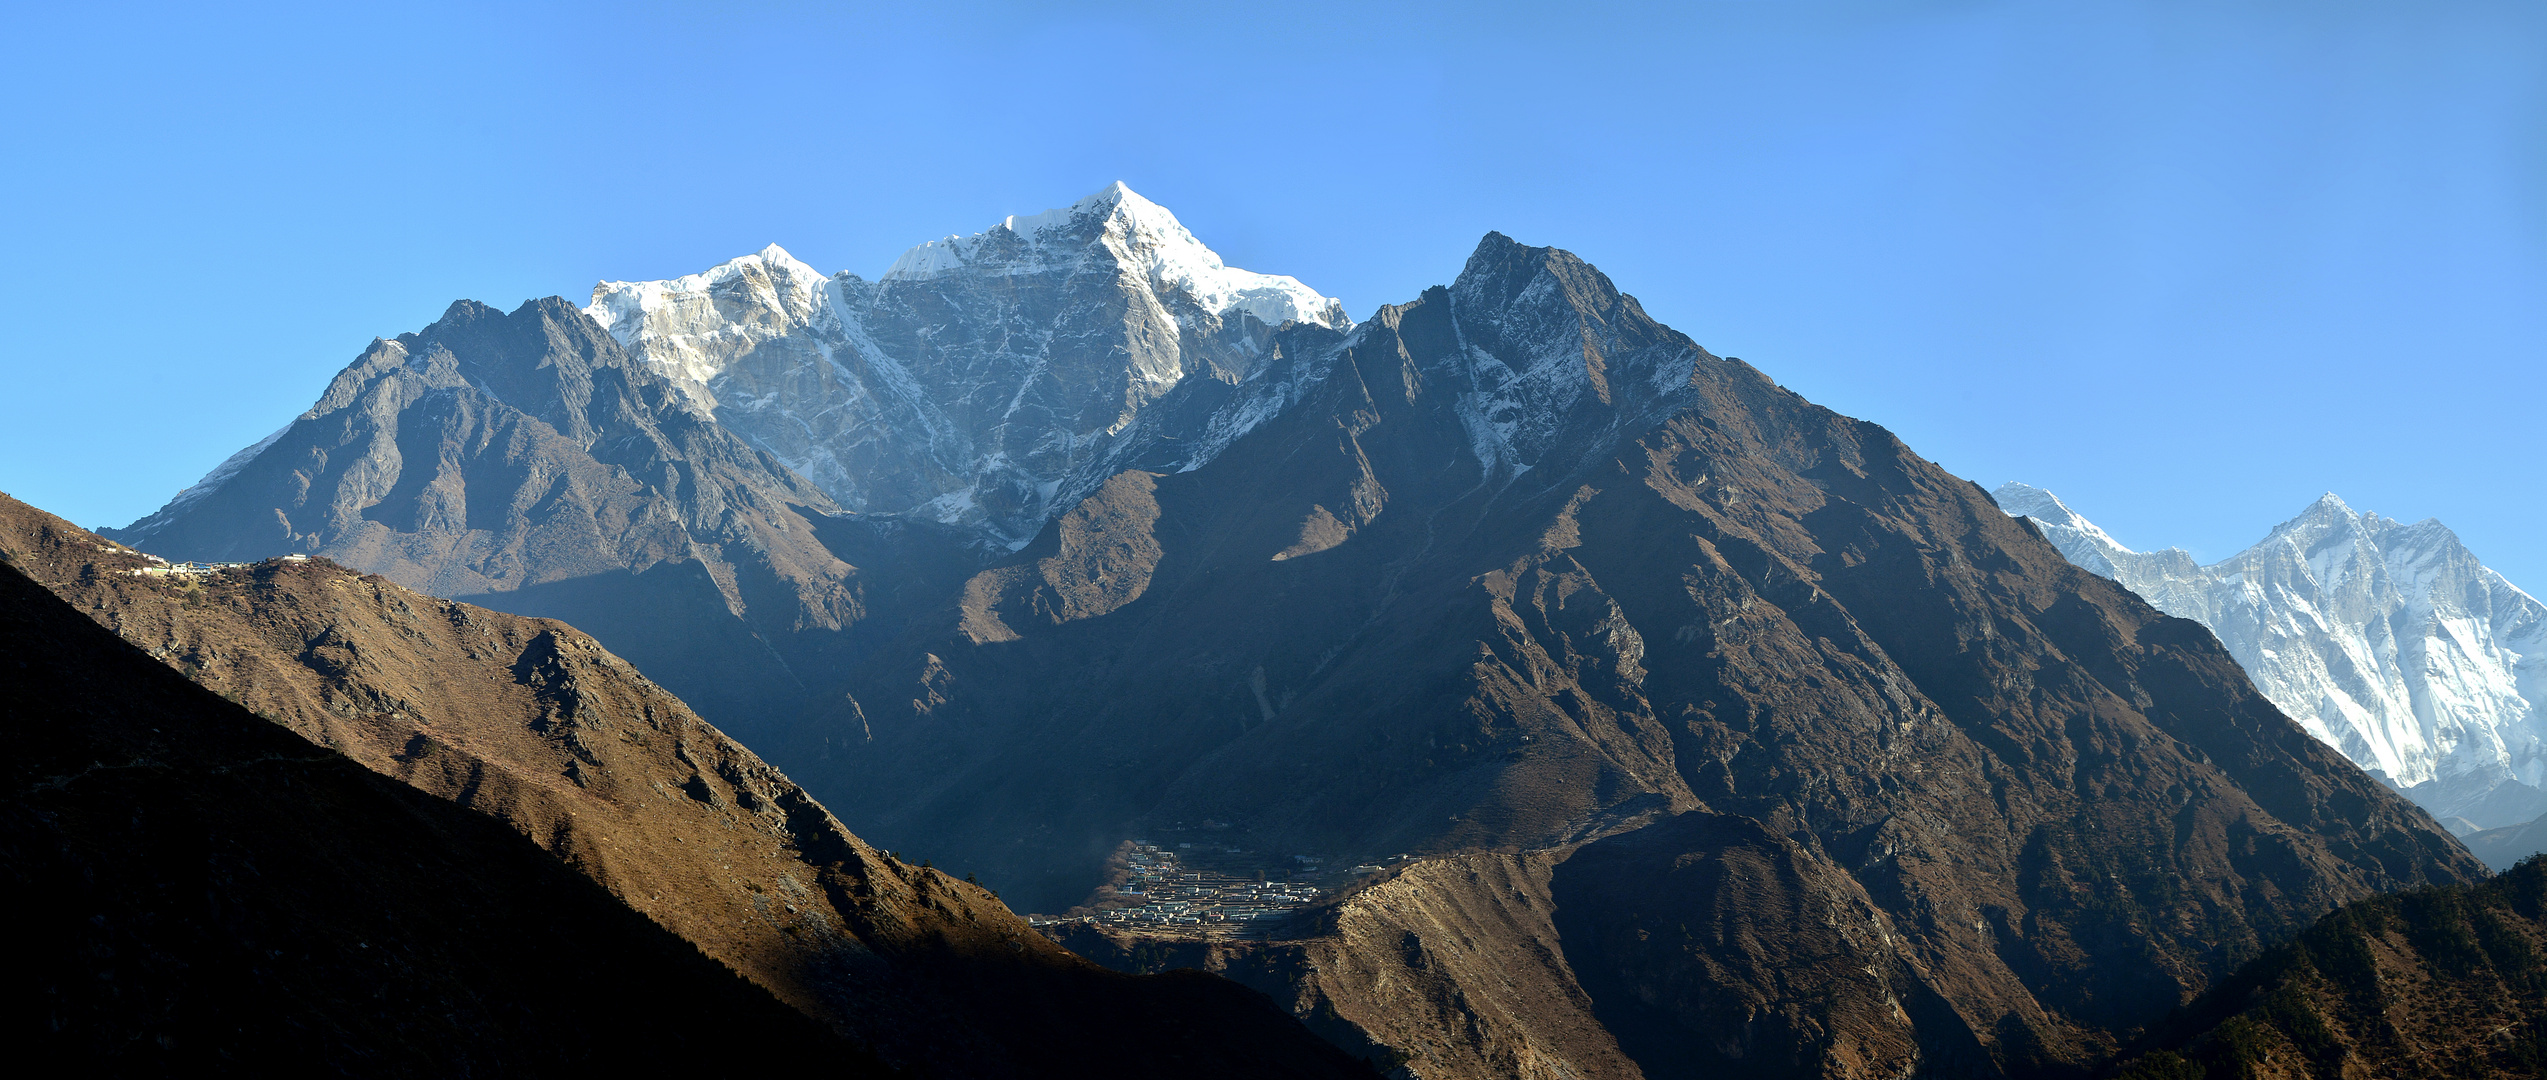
[987,381]
[196,891]
[534,724]
[2446,982]
[1523,569]
[2388,641]
[526,461]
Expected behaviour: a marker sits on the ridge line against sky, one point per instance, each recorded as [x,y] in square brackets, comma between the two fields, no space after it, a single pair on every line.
[2188,266]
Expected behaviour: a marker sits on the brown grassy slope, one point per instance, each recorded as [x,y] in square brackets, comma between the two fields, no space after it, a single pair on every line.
[194,890]
[531,722]
[2439,982]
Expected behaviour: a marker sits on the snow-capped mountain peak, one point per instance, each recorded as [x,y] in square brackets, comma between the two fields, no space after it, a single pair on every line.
[690,327]
[984,379]
[1142,237]
[2026,500]
[2330,512]
[2077,537]
[2388,641]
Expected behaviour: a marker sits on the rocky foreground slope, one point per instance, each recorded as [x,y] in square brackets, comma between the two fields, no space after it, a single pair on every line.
[534,724]
[2388,641]
[196,891]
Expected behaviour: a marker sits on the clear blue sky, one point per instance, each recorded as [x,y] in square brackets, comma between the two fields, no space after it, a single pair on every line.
[2187,264]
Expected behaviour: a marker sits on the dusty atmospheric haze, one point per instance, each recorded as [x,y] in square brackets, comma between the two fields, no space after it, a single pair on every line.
[1360,620]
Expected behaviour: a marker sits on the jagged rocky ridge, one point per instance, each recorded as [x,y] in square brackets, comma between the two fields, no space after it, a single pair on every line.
[534,724]
[1830,767]
[2388,641]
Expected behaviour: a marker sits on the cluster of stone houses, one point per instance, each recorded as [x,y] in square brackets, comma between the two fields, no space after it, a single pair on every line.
[161,567]
[1162,892]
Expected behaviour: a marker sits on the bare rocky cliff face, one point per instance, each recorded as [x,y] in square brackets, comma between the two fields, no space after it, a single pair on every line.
[534,724]
[1844,772]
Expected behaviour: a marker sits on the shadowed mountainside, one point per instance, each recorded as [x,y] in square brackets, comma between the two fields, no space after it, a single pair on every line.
[199,891]
[1450,966]
[534,724]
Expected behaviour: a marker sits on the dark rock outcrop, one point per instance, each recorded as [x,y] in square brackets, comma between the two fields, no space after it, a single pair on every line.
[1714,947]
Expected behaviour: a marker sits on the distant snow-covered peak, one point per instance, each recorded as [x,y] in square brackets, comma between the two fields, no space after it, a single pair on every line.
[2390,642]
[1143,238]
[2078,538]
[2026,500]
[2330,511]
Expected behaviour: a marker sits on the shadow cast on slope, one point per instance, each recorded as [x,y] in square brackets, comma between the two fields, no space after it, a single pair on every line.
[205,891]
